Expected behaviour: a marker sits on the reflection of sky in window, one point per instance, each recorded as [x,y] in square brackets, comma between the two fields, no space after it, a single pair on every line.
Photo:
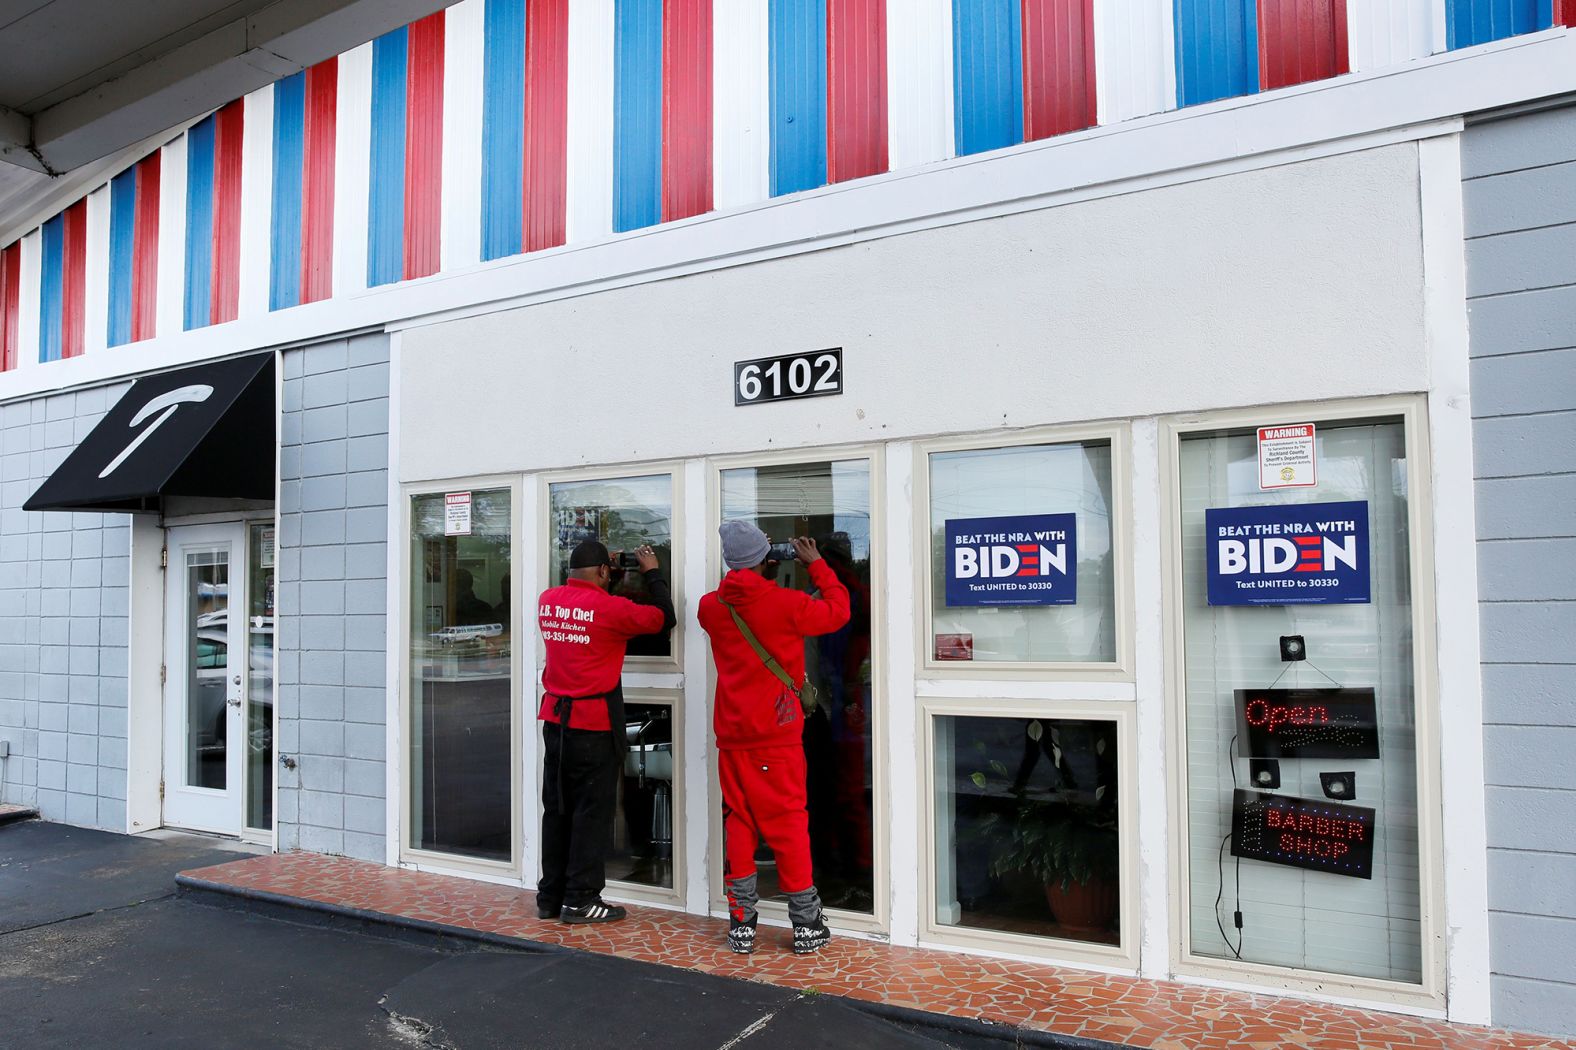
[1027,479]
[489,513]
[804,490]
[644,505]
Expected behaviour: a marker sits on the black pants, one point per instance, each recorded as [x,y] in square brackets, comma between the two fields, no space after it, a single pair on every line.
[575,840]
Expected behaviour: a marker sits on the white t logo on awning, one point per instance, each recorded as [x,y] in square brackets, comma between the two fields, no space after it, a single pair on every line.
[167,404]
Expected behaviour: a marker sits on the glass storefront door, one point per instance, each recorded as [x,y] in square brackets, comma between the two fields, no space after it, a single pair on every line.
[461,714]
[830,502]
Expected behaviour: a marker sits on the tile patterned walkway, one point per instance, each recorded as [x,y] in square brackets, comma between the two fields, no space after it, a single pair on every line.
[1142,1013]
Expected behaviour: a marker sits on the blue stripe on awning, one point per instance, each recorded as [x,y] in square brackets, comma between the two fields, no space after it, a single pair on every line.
[52,241]
[122,233]
[503,128]
[797,52]
[987,74]
[637,114]
[284,260]
[199,224]
[386,201]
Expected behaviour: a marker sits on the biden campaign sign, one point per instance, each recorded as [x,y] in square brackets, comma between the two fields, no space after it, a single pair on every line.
[1302,554]
[1027,559]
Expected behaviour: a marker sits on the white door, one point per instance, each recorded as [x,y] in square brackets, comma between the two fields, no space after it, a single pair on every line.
[205,645]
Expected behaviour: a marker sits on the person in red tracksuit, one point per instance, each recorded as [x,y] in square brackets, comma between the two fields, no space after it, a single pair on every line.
[585,631]
[760,726]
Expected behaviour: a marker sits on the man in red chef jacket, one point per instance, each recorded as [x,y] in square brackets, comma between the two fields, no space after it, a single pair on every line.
[759,723]
[585,630]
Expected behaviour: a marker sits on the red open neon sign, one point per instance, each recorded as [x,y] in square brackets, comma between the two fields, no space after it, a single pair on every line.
[1307,723]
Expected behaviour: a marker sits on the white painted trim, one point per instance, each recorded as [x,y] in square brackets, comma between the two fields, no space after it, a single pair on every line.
[352,167]
[170,308]
[144,697]
[529,576]
[697,692]
[397,650]
[257,196]
[95,323]
[1460,693]
[589,140]
[741,118]
[1149,769]
[29,286]
[1025,687]
[906,772]
[919,82]
[460,239]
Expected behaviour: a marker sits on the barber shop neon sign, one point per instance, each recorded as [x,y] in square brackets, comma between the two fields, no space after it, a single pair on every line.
[1303,833]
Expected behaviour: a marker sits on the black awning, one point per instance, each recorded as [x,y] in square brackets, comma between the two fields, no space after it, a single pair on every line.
[207,430]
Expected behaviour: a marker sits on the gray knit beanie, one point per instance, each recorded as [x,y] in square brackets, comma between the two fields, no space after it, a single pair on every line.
[743,545]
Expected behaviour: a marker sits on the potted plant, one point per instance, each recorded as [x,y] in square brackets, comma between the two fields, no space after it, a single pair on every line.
[1063,837]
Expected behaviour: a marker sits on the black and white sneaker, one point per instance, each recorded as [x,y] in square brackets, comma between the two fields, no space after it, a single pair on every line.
[546,909]
[741,936]
[593,911]
[808,940]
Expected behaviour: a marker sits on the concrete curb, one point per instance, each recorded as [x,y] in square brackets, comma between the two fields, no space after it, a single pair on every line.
[16,815]
[422,931]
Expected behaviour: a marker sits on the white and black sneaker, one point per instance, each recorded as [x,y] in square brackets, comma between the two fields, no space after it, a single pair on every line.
[808,940]
[741,936]
[592,911]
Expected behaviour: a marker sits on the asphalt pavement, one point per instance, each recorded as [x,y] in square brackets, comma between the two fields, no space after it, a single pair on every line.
[96,950]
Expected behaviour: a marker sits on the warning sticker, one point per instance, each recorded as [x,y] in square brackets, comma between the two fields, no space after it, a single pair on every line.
[1286,457]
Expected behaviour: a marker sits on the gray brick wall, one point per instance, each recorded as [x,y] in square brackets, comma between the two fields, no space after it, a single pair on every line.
[1520,199]
[332,593]
[63,591]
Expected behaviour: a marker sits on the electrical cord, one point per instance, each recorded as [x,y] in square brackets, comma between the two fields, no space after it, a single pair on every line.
[1220,863]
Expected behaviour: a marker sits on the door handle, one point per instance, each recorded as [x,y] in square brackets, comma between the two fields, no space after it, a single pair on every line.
[234,702]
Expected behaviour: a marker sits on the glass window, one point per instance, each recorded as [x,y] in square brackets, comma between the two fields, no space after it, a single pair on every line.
[208,626]
[642,850]
[260,702]
[461,696]
[1302,773]
[623,513]
[1027,827]
[1021,563]
[829,501]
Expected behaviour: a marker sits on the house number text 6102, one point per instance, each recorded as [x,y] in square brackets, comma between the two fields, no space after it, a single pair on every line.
[815,374]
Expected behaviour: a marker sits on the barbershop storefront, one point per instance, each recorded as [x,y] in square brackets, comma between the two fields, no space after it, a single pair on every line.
[1143,670]
[1152,666]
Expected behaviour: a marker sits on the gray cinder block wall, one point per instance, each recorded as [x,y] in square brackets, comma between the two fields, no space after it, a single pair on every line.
[63,602]
[1520,200]
[331,595]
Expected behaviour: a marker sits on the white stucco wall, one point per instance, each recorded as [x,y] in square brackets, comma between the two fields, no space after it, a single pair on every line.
[1164,300]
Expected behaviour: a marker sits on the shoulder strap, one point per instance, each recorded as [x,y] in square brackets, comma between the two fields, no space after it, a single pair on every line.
[760,650]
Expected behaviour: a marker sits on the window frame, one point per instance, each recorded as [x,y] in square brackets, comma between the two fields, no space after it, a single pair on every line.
[775,913]
[639,892]
[1121,669]
[673,663]
[1122,957]
[510,871]
[1411,412]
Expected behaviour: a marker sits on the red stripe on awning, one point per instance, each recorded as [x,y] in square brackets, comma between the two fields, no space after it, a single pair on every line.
[424,146]
[74,280]
[544,215]
[686,108]
[225,299]
[856,103]
[1058,67]
[317,181]
[145,249]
